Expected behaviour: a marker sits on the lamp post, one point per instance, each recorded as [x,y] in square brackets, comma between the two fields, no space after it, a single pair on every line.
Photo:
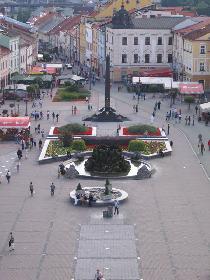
[26,101]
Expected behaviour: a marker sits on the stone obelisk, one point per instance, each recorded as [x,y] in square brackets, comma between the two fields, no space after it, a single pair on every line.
[107,84]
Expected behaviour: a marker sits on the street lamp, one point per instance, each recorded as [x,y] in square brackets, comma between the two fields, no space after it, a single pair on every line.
[26,108]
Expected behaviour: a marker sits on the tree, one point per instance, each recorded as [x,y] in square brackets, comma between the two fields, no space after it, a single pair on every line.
[31,90]
[189,100]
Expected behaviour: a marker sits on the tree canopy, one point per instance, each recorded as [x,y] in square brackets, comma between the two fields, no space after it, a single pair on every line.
[202,7]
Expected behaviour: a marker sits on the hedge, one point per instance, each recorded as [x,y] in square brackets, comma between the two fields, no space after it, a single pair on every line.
[136,146]
[141,129]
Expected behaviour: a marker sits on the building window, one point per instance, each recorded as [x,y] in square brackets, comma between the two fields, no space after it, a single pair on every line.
[124,41]
[124,58]
[135,41]
[170,59]
[170,41]
[147,58]
[160,41]
[203,50]
[159,58]
[147,41]
[135,58]
[202,66]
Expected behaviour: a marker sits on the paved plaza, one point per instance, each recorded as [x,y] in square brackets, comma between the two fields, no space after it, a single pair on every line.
[162,232]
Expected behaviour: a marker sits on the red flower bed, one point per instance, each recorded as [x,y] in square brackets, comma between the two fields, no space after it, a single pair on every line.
[126,132]
[87,132]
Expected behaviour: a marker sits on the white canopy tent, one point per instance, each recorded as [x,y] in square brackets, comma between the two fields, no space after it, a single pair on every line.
[205,107]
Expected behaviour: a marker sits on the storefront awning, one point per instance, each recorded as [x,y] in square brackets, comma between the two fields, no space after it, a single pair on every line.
[14,122]
[191,88]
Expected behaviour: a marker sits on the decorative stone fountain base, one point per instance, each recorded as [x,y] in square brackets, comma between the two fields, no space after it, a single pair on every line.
[118,194]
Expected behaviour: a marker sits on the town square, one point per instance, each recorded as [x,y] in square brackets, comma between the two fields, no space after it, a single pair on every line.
[102,177]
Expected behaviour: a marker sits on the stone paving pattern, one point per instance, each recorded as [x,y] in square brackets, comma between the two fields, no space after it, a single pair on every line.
[170,211]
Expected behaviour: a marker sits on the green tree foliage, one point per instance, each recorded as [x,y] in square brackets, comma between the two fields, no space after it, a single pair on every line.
[142,128]
[79,145]
[202,7]
[136,146]
[189,100]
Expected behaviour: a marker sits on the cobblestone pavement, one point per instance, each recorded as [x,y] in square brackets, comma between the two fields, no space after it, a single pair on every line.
[169,212]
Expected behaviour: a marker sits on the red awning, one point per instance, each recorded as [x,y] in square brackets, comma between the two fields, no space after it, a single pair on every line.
[157,72]
[194,88]
[14,122]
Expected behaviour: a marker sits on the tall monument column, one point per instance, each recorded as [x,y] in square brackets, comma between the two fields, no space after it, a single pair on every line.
[107,84]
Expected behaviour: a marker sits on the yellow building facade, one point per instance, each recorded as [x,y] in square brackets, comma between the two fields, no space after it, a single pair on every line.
[196,59]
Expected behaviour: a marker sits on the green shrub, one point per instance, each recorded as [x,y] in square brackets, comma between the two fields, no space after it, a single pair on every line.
[79,145]
[136,146]
[68,96]
[79,187]
[73,127]
[141,129]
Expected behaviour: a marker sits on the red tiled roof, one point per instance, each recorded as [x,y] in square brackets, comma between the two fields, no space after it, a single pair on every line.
[197,33]
[67,24]
[4,51]
[193,27]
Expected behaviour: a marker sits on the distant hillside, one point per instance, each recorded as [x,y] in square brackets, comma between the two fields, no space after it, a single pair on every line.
[202,7]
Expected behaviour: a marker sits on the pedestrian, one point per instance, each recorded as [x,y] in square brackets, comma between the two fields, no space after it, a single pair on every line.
[202,148]
[19,154]
[42,133]
[196,109]
[75,110]
[72,110]
[31,189]
[158,105]
[193,122]
[137,108]
[189,120]
[180,117]
[209,144]
[35,143]
[52,189]
[11,242]
[171,143]
[98,275]
[48,115]
[186,119]
[40,144]
[57,116]
[116,206]
[53,115]
[18,166]
[168,129]
[152,118]
[23,144]
[8,176]
[31,141]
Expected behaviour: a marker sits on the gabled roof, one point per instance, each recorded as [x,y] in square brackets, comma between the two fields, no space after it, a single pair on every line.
[66,24]
[4,51]
[197,33]
[191,28]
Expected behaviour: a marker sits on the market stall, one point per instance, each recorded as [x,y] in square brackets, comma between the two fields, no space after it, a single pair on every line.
[205,112]
[14,128]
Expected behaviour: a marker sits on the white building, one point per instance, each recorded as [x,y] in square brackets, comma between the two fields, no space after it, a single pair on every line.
[139,44]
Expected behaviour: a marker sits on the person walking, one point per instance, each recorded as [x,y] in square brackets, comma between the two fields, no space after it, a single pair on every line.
[186,119]
[57,116]
[11,242]
[8,176]
[196,109]
[42,133]
[193,121]
[116,207]
[52,189]
[18,166]
[168,131]
[48,115]
[31,189]
[19,154]
[53,116]
[202,148]
[40,144]
[209,144]
[189,120]
[98,275]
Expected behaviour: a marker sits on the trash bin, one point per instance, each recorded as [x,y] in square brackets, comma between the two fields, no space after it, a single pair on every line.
[110,211]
